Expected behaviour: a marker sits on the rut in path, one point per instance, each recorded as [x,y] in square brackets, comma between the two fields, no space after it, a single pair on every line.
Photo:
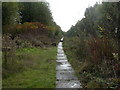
[65,77]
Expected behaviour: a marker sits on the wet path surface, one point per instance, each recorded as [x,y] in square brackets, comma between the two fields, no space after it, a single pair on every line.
[65,77]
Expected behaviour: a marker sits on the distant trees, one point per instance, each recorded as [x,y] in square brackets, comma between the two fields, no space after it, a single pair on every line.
[36,12]
[14,12]
[10,13]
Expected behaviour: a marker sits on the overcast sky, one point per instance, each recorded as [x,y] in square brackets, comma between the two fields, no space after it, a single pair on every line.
[67,12]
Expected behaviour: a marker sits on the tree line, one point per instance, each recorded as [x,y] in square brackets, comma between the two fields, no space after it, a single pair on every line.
[18,12]
[21,12]
[97,44]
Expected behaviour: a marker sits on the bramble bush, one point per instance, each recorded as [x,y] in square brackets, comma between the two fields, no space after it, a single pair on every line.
[94,56]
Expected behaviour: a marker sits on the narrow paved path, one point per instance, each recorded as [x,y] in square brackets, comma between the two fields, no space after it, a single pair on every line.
[65,77]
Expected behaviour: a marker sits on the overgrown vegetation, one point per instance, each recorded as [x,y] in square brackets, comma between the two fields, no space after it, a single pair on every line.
[29,35]
[93,46]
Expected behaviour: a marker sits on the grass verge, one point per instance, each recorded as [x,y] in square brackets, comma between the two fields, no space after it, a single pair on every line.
[39,69]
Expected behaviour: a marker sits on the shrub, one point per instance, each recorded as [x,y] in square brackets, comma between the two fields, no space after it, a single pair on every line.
[21,28]
[96,57]
[8,48]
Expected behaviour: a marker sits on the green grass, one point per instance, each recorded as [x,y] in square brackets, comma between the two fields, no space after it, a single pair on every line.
[40,69]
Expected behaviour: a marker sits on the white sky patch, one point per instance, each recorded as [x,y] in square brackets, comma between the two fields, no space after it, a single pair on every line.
[67,12]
